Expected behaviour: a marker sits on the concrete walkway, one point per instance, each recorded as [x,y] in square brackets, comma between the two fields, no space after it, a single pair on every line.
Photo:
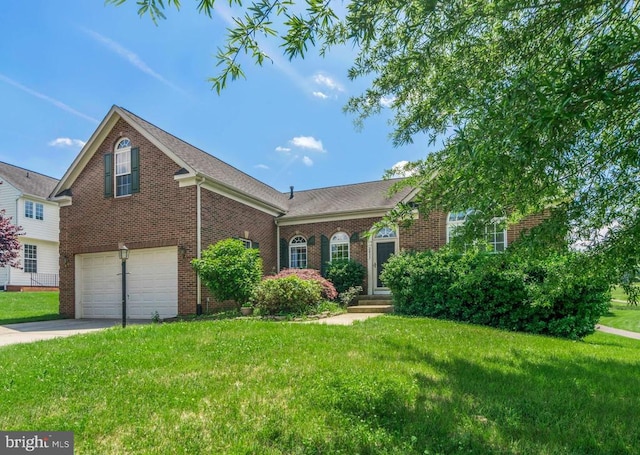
[27,332]
[622,333]
[343,319]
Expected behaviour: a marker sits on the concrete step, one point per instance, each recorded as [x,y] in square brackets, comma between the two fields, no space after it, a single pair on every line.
[370,309]
[368,302]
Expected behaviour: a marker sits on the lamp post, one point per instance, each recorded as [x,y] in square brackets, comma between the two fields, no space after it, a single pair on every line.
[124,255]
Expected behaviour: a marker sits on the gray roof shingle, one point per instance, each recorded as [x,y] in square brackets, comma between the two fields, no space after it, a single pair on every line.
[28,182]
[345,198]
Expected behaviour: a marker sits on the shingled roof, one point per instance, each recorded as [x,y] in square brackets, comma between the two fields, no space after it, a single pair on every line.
[28,182]
[212,167]
[338,200]
[358,197]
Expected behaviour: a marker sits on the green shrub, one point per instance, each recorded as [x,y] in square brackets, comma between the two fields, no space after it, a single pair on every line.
[560,295]
[287,295]
[346,297]
[229,270]
[345,274]
[328,290]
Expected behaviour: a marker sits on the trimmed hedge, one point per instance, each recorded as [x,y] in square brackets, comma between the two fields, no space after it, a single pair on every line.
[558,296]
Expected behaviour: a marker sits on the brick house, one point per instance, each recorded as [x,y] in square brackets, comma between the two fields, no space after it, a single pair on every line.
[166,200]
[24,197]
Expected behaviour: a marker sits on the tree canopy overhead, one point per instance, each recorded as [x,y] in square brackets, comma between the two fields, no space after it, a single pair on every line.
[538,99]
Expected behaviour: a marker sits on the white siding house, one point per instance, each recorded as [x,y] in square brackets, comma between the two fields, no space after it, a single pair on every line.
[23,196]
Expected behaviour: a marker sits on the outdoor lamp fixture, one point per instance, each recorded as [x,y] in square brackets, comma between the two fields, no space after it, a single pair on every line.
[123,252]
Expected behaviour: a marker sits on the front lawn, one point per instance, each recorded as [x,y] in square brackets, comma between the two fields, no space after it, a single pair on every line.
[28,307]
[390,385]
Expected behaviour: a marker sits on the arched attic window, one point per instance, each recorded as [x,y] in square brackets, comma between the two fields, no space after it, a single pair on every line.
[122,170]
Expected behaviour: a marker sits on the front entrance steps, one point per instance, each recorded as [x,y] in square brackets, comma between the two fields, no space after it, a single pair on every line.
[372,304]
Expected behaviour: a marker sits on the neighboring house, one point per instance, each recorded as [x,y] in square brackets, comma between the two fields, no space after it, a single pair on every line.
[166,200]
[24,197]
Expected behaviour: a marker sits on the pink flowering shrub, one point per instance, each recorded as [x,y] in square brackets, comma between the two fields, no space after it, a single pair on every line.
[328,290]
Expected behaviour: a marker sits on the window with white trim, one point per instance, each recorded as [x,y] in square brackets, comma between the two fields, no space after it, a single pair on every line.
[33,208]
[30,259]
[39,211]
[386,233]
[247,243]
[123,167]
[495,234]
[339,246]
[298,252]
[28,209]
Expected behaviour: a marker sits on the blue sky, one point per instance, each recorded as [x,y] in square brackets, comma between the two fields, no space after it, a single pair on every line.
[63,64]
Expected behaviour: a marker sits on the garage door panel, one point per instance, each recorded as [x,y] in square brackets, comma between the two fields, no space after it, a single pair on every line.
[152,284]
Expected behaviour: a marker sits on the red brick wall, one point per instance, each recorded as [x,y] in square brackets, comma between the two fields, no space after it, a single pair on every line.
[426,233]
[161,214]
[358,250]
[223,218]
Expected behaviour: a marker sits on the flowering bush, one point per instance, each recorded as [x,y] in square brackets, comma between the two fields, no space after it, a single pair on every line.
[328,290]
[287,295]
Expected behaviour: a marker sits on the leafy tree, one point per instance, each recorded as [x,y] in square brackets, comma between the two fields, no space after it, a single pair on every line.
[229,270]
[537,101]
[9,244]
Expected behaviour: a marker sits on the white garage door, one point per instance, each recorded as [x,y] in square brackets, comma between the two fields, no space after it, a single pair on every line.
[152,284]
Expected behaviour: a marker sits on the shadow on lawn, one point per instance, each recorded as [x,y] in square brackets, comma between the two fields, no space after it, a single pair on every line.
[506,404]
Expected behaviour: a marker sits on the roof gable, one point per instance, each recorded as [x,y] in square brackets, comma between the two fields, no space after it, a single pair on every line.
[193,161]
[28,182]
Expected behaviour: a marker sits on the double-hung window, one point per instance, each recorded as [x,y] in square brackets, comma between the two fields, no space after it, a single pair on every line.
[298,252]
[339,246]
[28,209]
[39,211]
[123,168]
[495,233]
[31,258]
[33,210]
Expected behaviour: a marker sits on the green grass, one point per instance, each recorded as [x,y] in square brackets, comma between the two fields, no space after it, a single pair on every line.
[28,306]
[617,293]
[622,316]
[390,385]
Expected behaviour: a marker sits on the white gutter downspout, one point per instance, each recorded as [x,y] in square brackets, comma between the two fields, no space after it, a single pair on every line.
[199,242]
[275,220]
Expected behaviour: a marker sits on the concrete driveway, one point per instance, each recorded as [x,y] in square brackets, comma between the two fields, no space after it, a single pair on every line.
[27,332]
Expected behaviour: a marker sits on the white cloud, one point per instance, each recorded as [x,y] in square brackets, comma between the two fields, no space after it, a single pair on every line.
[320,95]
[307,161]
[400,171]
[48,99]
[66,142]
[283,149]
[387,101]
[130,56]
[307,142]
[328,82]
[261,166]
